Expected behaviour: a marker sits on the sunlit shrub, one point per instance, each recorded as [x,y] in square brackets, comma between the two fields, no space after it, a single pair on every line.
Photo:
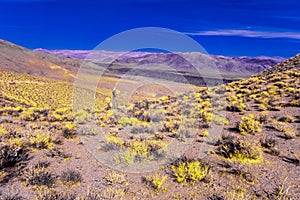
[249,124]
[240,150]
[189,171]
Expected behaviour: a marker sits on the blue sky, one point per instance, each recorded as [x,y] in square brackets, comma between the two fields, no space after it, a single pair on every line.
[232,28]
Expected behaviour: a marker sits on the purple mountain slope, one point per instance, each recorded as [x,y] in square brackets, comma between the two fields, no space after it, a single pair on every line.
[232,65]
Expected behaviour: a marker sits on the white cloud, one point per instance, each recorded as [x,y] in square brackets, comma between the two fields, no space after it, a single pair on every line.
[249,33]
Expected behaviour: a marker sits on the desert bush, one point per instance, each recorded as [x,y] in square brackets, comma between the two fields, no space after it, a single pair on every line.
[115,140]
[56,152]
[126,121]
[288,130]
[215,197]
[237,194]
[249,124]
[109,193]
[69,131]
[170,126]
[38,176]
[91,194]
[156,181]
[115,178]
[263,117]
[179,172]
[158,115]
[282,191]
[143,128]
[41,140]
[142,150]
[112,193]
[268,142]
[29,115]
[42,164]
[192,170]
[82,116]
[287,118]
[11,156]
[219,120]
[234,104]
[10,195]
[240,150]
[205,133]
[51,194]
[70,177]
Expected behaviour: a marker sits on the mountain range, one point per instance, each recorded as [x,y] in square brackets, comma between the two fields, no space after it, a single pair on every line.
[180,61]
[178,67]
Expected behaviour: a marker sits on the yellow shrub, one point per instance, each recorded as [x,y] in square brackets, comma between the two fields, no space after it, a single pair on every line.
[189,171]
[41,140]
[179,172]
[249,124]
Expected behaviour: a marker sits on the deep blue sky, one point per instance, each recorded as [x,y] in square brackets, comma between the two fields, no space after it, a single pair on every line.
[234,28]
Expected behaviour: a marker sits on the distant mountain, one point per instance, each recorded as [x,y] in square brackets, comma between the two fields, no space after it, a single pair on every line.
[245,66]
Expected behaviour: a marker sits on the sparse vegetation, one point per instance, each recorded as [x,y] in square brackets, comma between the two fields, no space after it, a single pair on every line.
[37,121]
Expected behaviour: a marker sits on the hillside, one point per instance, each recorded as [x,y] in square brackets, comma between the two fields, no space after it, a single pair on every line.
[248,131]
[22,60]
